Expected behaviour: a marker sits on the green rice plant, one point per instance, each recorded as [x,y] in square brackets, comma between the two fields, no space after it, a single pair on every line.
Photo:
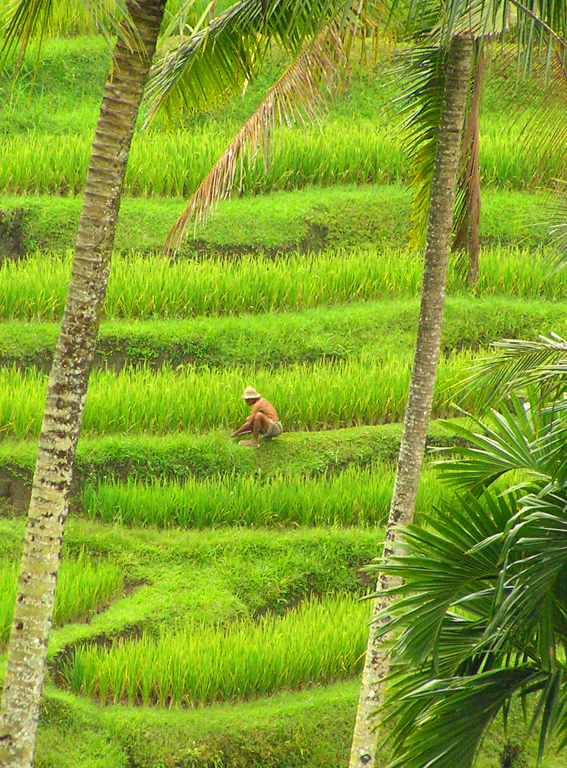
[174,164]
[153,287]
[336,151]
[355,497]
[84,587]
[358,391]
[320,641]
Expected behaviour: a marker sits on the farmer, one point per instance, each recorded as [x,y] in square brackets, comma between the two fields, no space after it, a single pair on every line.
[263,419]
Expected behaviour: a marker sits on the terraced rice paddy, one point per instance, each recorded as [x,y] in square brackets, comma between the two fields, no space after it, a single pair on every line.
[153,287]
[203,665]
[197,571]
[84,587]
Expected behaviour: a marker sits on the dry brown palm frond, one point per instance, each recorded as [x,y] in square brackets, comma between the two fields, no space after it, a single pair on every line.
[296,96]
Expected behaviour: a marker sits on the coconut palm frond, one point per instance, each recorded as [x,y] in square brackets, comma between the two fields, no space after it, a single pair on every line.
[538,24]
[214,62]
[421,72]
[543,128]
[29,20]
[517,364]
[295,96]
[466,221]
[558,231]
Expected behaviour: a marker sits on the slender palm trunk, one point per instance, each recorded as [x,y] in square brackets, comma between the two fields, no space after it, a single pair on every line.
[68,385]
[418,410]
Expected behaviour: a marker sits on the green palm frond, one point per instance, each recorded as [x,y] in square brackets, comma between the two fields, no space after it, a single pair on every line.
[297,95]
[466,220]
[515,366]
[442,565]
[421,72]
[525,439]
[535,556]
[536,22]
[28,20]
[449,730]
[213,63]
[480,615]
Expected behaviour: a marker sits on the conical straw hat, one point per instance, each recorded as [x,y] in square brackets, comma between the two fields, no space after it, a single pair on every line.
[250,394]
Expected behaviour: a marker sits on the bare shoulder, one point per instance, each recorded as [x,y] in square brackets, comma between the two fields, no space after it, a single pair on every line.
[268,409]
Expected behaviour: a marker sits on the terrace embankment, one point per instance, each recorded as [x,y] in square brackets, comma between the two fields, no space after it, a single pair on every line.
[273,340]
[307,220]
[177,458]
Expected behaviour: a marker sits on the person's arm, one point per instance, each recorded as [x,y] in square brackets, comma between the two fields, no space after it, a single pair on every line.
[246,427]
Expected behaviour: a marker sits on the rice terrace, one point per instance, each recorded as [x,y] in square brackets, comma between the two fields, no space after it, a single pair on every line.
[311,187]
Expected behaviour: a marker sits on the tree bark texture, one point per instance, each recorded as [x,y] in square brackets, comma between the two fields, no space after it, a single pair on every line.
[68,386]
[418,410]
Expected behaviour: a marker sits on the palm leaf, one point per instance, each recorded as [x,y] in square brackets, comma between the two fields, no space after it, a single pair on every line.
[213,63]
[466,221]
[295,96]
[449,731]
[528,440]
[516,365]
[536,555]
[441,565]
[29,19]
[421,72]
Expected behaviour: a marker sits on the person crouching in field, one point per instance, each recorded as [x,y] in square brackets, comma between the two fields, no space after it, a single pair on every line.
[263,419]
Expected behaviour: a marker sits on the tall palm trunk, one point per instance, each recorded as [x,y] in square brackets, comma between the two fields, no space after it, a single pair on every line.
[418,410]
[68,385]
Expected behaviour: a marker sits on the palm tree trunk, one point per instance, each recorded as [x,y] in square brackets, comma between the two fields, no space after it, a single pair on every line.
[68,386]
[418,410]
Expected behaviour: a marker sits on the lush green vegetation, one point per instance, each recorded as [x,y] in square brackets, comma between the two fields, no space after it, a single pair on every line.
[197,571]
[275,339]
[85,586]
[49,153]
[153,287]
[354,497]
[318,396]
[201,665]
[309,219]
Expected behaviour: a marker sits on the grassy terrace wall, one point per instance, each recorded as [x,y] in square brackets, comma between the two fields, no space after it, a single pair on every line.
[306,220]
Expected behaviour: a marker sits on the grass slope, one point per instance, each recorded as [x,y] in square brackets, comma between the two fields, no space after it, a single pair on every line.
[278,339]
[174,458]
[309,219]
[307,729]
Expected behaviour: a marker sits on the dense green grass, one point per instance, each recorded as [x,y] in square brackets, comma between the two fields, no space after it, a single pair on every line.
[275,339]
[356,497]
[353,144]
[84,587]
[147,459]
[335,152]
[366,390]
[213,577]
[318,642]
[152,287]
[309,219]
